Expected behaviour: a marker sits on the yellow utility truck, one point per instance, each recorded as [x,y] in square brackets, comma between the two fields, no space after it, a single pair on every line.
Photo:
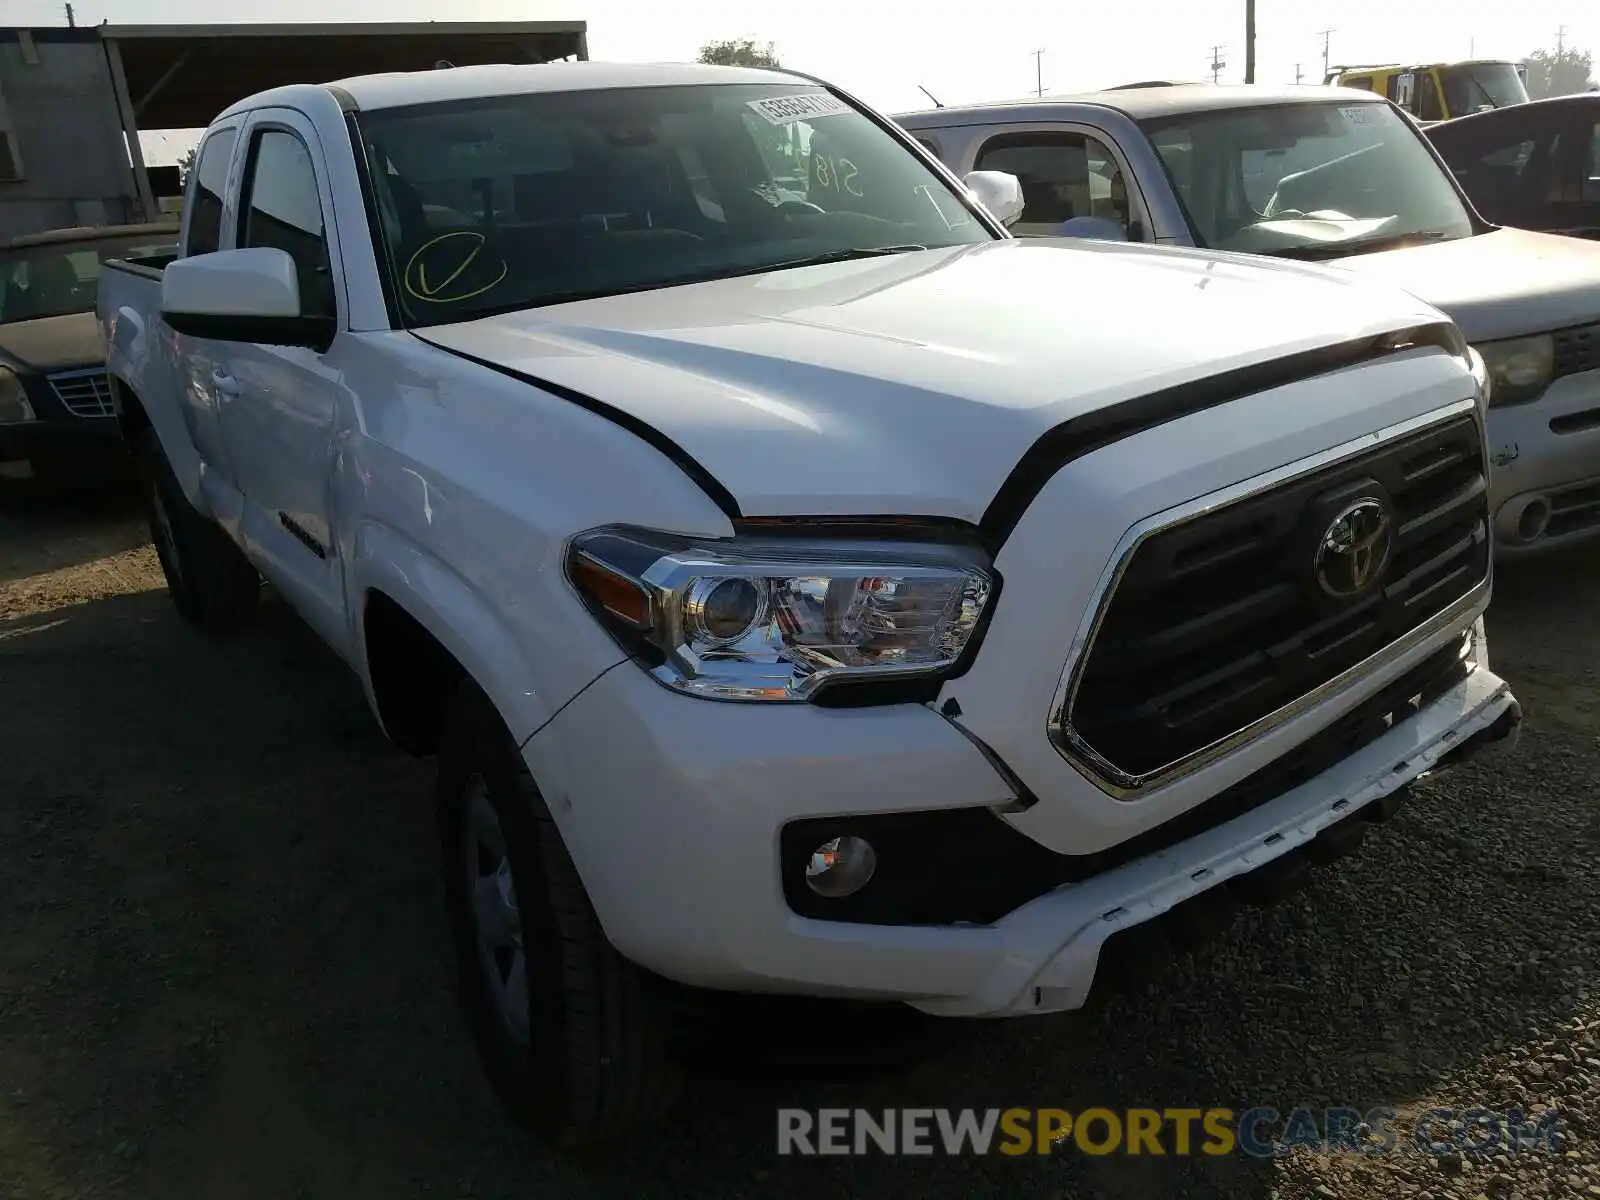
[1438,91]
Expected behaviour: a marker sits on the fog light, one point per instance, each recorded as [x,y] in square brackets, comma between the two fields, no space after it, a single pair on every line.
[841,866]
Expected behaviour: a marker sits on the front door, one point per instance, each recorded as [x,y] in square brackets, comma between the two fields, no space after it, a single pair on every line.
[281,404]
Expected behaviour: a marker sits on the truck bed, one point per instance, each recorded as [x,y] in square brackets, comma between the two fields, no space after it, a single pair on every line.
[149,266]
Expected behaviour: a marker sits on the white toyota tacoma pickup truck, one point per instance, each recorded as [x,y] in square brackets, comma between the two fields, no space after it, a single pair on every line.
[814,592]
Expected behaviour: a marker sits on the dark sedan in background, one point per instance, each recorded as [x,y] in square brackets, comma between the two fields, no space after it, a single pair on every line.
[56,418]
[1530,166]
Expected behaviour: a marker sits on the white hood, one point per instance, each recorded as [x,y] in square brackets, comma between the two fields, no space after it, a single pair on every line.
[914,383]
[1507,283]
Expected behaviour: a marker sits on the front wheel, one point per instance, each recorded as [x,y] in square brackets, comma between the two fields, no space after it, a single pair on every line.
[213,585]
[568,1030]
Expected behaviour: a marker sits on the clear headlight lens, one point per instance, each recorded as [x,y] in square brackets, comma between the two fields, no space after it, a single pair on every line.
[14,406]
[1519,368]
[777,619]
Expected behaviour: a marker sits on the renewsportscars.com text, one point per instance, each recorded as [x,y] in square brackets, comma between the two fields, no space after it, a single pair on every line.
[1261,1132]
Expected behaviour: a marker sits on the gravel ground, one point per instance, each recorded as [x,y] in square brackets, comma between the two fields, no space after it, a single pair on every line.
[225,969]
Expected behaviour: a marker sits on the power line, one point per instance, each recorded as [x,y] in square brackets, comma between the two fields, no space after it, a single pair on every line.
[1038,72]
[1216,63]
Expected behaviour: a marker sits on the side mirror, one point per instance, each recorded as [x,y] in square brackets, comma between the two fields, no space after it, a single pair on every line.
[998,192]
[250,295]
[1101,228]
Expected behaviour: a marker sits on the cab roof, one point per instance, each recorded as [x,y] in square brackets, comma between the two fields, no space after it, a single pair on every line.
[1417,66]
[1155,101]
[402,88]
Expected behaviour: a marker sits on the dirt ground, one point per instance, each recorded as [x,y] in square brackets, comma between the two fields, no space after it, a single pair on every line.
[225,970]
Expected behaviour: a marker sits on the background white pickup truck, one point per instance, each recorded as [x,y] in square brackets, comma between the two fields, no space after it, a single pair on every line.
[1340,176]
[832,597]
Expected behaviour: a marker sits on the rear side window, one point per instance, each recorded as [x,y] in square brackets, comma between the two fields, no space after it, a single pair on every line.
[283,209]
[210,178]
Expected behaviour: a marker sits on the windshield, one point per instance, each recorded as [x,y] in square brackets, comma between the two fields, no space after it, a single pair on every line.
[56,279]
[518,201]
[1472,87]
[1307,180]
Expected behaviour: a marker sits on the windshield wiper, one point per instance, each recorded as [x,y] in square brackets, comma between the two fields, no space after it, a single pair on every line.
[709,275]
[1393,241]
[847,254]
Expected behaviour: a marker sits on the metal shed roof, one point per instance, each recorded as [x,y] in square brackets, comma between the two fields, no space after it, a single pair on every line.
[181,76]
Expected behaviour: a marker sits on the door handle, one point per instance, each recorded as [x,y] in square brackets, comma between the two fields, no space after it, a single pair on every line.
[224,383]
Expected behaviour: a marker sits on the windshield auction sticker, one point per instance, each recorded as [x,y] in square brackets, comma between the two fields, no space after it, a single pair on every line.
[785,110]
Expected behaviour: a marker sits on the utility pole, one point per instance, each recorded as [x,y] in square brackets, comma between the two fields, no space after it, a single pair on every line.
[1561,40]
[1216,63]
[1298,75]
[1038,72]
[72,21]
[1325,33]
[1249,41]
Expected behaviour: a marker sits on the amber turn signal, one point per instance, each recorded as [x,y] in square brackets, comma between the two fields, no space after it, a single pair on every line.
[616,594]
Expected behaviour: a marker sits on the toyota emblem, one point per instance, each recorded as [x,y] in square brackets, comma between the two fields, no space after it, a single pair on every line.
[1354,549]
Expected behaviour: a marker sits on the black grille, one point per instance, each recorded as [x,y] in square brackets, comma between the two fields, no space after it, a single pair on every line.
[1576,350]
[1218,622]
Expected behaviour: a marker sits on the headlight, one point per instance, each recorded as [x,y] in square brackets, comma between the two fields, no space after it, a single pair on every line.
[777,619]
[1519,369]
[14,404]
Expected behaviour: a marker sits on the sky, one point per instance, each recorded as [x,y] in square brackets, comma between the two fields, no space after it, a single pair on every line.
[883,52]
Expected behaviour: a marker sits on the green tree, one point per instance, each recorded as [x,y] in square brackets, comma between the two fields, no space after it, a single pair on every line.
[1562,72]
[739,52]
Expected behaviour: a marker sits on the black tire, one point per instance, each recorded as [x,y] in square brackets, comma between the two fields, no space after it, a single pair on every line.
[213,585]
[592,1062]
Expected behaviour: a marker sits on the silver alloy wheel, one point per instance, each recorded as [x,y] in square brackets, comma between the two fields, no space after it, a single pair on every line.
[495,916]
[166,545]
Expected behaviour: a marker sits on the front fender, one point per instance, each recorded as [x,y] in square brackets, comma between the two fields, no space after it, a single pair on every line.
[462,621]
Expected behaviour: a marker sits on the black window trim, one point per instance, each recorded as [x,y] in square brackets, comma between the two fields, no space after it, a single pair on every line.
[193,188]
[258,129]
